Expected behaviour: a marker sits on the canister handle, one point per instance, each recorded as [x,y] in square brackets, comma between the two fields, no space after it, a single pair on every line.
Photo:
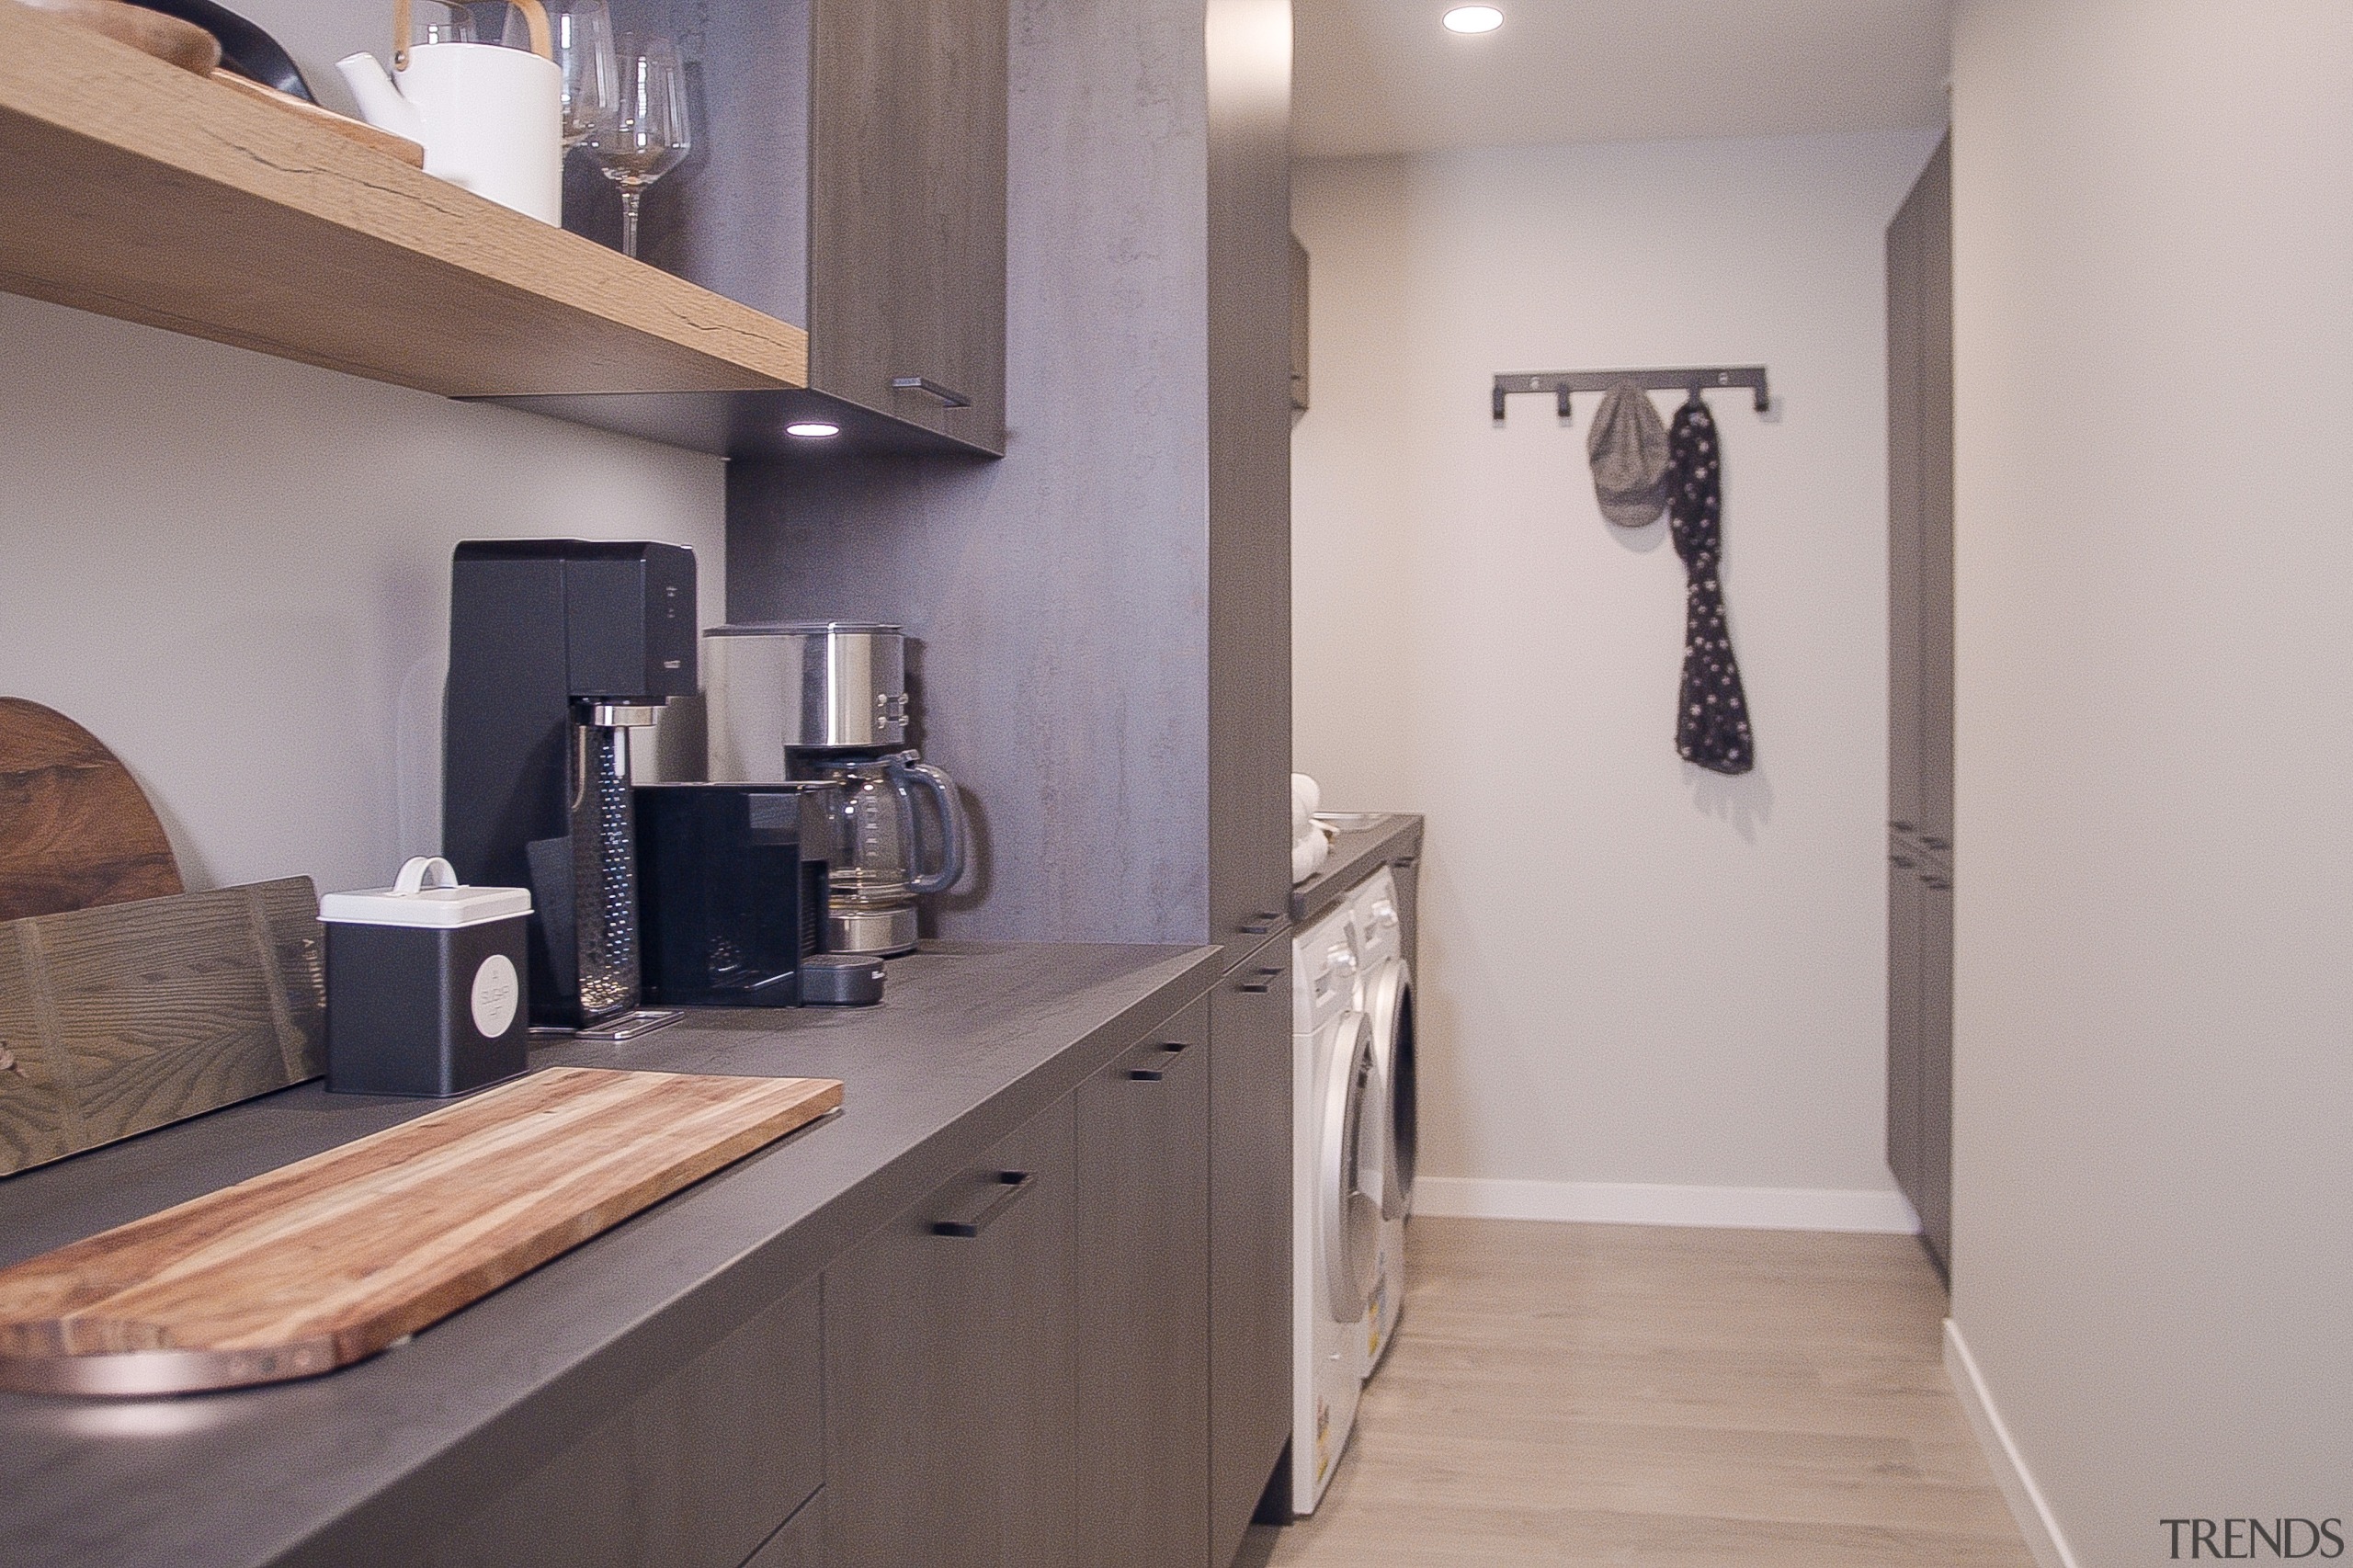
[413,877]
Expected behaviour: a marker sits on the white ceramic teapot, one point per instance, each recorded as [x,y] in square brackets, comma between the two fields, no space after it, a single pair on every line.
[491,117]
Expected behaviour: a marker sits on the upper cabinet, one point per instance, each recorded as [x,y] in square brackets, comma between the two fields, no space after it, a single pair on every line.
[848,178]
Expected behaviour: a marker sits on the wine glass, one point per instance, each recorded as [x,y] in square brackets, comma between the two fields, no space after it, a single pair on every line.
[582,33]
[647,133]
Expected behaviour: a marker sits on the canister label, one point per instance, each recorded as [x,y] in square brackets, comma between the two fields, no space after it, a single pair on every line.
[495,993]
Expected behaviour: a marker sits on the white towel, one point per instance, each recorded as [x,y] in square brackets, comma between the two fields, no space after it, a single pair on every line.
[1306,800]
[1308,853]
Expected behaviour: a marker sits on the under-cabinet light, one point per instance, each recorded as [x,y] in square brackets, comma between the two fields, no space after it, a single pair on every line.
[1473,19]
[812,429]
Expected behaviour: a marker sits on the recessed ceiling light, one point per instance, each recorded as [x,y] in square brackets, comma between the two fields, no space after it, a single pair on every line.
[1473,19]
[812,429]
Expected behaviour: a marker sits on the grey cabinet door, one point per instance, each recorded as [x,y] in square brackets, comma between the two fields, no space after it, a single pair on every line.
[1934,1199]
[1249,480]
[695,1474]
[907,226]
[1935,195]
[1250,1264]
[950,1370]
[1905,908]
[1143,1329]
[1905,652]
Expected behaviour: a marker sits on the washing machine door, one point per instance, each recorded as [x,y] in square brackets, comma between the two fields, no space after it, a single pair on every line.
[1389,1015]
[1348,1217]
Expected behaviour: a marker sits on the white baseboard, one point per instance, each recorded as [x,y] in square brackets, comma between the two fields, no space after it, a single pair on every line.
[1644,1203]
[2027,1504]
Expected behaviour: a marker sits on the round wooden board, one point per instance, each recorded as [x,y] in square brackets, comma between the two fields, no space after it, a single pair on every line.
[168,38]
[75,829]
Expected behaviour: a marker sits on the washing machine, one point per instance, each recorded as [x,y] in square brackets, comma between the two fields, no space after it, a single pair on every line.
[1386,997]
[1336,1212]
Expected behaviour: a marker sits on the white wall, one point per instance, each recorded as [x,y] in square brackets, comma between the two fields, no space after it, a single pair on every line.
[1634,971]
[2153,218]
[235,572]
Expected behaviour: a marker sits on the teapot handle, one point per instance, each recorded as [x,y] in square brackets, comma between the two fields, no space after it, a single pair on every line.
[955,832]
[535,16]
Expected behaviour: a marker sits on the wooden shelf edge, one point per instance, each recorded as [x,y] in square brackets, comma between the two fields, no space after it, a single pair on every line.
[147,193]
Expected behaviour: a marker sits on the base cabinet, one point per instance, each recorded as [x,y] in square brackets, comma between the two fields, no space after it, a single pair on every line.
[1250,1223]
[950,1370]
[1143,1325]
[697,1472]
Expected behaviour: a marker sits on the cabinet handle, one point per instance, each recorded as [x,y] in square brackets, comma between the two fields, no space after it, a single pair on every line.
[1899,826]
[948,396]
[1258,924]
[1010,1186]
[1161,1065]
[1934,842]
[1904,860]
[1265,980]
[1940,883]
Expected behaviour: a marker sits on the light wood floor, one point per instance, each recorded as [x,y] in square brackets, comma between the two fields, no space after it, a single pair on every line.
[1629,1394]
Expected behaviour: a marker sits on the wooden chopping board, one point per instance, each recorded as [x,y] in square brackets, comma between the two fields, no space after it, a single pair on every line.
[75,829]
[122,1018]
[331,1259]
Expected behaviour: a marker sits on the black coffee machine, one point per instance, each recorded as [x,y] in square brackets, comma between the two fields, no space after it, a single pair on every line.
[557,649]
[731,879]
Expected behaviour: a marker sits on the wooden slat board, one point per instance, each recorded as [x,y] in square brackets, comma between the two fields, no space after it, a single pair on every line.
[159,197]
[116,1020]
[333,1258]
[75,829]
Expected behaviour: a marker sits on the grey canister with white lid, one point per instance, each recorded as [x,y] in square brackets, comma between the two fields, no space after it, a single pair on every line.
[801,684]
[425,984]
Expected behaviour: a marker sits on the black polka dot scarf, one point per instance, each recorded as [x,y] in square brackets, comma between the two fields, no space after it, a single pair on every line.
[1712,726]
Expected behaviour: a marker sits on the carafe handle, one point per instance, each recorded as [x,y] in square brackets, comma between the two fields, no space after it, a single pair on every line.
[954,831]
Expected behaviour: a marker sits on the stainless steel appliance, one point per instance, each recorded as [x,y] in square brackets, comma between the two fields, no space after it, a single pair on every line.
[828,700]
[557,648]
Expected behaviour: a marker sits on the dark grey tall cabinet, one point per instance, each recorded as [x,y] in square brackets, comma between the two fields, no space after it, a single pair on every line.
[1920,715]
[1100,629]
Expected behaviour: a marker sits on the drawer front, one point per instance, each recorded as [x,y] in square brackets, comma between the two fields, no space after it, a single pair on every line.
[1143,1179]
[696,1474]
[951,1374]
[1250,1200]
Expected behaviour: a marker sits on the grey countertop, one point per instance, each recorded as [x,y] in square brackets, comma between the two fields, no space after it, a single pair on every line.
[362,1465]
[1383,838]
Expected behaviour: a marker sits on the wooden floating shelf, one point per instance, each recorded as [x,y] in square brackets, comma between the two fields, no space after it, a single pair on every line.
[142,191]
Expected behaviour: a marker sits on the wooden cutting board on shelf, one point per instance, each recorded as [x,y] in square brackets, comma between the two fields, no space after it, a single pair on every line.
[331,1259]
[120,1019]
[75,829]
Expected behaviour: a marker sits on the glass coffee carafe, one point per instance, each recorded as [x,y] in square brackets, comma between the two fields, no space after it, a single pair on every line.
[884,857]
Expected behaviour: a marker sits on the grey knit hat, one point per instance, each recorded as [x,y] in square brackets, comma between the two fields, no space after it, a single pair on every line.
[1628,447]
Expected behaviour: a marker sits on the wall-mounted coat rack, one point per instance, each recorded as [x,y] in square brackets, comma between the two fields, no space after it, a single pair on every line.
[1561,384]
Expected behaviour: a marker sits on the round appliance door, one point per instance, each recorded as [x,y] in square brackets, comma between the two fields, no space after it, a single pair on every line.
[1349,1219]
[1389,1011]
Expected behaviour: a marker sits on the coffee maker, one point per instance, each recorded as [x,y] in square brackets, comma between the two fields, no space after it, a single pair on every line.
[557,649]
[828,700]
